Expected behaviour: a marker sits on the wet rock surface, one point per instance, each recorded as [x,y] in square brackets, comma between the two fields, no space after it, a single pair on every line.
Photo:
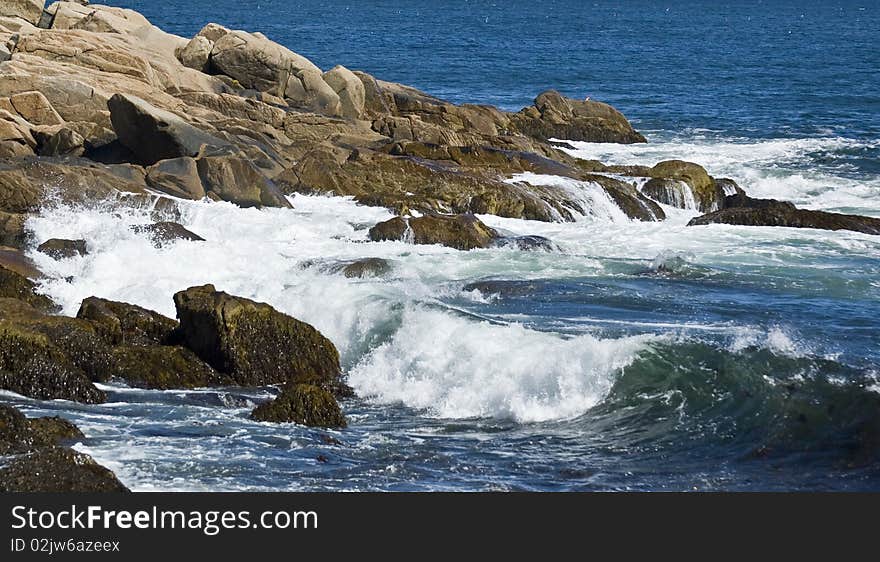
[35,459]
[747,211]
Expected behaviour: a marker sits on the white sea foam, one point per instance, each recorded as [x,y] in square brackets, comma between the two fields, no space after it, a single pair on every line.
[772,168]
[778,339]
[593,201]
[457,368]
[401,342]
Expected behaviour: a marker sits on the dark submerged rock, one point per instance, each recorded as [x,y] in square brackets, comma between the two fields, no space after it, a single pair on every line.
[304,404]
[59,248]
[366,267]
[503,287]
[527,243]
[747,211]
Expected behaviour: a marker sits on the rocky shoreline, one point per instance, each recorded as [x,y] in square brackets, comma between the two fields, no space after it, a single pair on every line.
[99,105]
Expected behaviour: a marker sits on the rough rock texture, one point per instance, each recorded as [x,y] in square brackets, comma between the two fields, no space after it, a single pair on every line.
[59,248]
[35,462]
[13,285]
[161,233]
[253,343]
[55,429]
[743,210]
[178,177]
[463,232]
[154,134]
[349,88]
[304,404]
[121,323]
[163,367]
[57,469]
[19,434]
[196,53]
[555,116]
[233,177]
[28,10]
[49,357]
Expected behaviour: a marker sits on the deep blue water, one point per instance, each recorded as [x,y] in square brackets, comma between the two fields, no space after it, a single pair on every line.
[762,365]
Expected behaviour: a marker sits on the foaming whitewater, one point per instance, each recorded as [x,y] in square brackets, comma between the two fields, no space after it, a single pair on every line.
[593,202]
[455,368]
[816,173]
[397,327]
[486,369]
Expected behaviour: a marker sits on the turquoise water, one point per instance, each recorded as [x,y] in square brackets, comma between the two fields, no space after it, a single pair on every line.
[638,356]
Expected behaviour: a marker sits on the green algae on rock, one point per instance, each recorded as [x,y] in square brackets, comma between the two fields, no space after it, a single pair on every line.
[253,343]
[305,404]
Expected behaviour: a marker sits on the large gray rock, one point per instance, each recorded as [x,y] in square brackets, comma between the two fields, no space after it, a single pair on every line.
[154,134]
[28,10]
[63,142]
[231,176]
[556,116]
[212,32]
[178,177]
[350,90]
[263,65]
[256,62]
[196,53]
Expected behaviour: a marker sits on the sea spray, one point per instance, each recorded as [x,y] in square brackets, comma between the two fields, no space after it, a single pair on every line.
[455,368]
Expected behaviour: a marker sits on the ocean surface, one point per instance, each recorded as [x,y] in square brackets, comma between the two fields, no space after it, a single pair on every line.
[638,356]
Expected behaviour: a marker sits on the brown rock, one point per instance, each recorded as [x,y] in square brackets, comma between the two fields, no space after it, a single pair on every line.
[253,343]
[178,177]
[59,248]
[555,116]
[121,323]
[304,404]
[463,232]
[28,10]
[34,107]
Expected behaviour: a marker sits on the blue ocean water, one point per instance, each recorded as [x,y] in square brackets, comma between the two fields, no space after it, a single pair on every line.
[640,356]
